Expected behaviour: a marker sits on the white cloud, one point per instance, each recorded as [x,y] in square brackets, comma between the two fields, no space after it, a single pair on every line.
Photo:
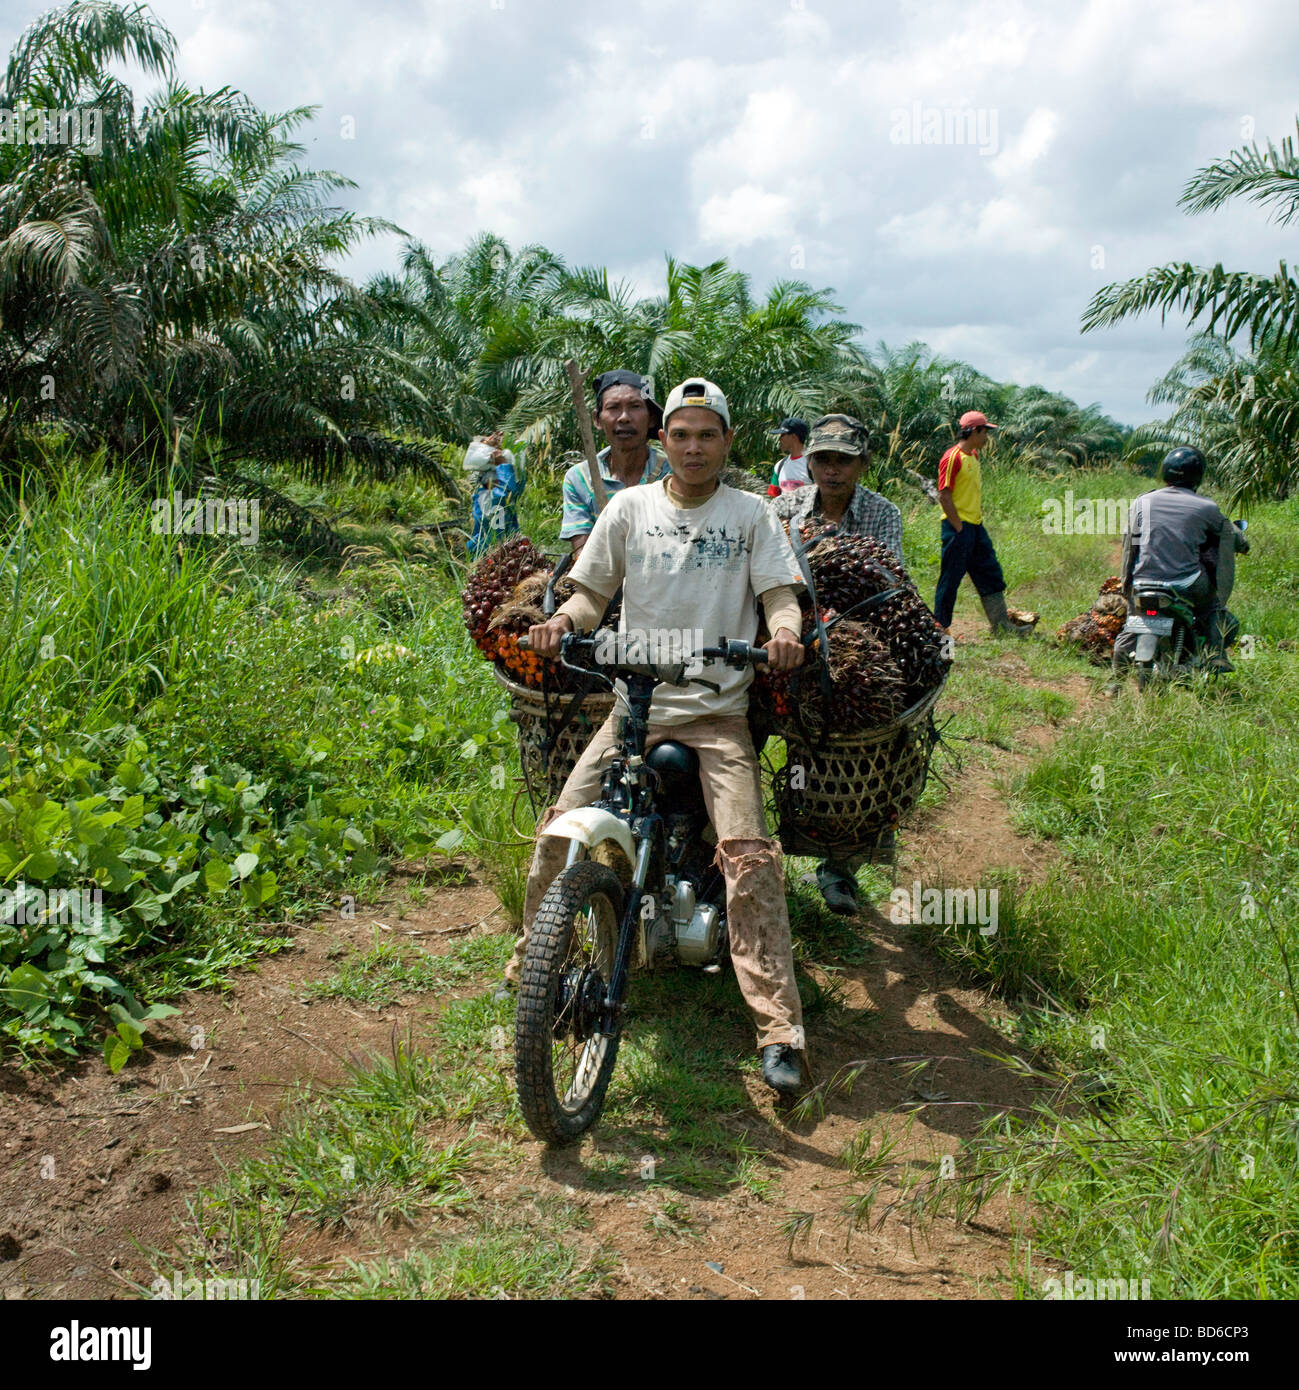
[1005,226]
[1035,139]
[746,215]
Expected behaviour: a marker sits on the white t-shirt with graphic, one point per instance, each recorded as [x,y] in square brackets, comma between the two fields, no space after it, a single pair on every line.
[698,568]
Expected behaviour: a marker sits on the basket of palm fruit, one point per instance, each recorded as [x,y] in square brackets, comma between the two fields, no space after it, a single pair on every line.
[509,590]
[857,717]
[1094,631]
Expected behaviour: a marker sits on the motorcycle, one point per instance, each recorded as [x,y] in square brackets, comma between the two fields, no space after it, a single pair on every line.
[639,886]
[1169,642]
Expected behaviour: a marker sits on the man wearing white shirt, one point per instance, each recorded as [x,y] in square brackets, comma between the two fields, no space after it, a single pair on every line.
[692,553]
[791,472]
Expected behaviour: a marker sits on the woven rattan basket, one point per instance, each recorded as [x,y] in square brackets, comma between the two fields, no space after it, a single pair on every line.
[839,795]
[528,709]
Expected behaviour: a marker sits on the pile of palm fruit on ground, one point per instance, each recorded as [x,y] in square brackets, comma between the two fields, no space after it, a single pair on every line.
[880,663]
[1094,631]
[503,599]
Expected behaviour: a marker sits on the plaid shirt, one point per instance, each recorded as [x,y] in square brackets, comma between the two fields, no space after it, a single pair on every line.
[868,514]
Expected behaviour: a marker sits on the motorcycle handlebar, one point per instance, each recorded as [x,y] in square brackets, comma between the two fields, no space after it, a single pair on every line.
[731,650]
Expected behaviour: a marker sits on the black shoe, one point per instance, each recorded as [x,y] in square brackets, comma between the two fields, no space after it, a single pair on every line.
[781,1069]
[839,892]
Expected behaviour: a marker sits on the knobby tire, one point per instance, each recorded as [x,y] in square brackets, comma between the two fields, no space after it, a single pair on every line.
[558,1111]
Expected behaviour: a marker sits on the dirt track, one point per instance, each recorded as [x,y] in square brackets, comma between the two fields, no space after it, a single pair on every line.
[93,1167]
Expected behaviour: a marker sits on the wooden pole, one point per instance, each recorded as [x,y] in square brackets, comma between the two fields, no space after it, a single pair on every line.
[576,379]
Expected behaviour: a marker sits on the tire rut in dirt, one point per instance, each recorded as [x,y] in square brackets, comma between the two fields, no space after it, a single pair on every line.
[563,1116]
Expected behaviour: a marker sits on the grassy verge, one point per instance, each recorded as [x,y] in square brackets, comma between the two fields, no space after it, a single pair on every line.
[212,739]
[1154,973]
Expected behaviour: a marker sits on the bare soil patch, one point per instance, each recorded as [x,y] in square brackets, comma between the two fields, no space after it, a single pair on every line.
[95,1167]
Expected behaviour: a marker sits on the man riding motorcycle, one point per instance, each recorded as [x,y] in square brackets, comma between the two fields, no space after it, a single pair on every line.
[1178,539]
[692,553]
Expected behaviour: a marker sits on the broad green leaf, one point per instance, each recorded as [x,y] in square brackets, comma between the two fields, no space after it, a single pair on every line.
[44,822]
[130,775]
[449,841]
[26,987]
[244,865]
[116,1053]
[41,865]
[159,1011]
[216,874]
[146,906]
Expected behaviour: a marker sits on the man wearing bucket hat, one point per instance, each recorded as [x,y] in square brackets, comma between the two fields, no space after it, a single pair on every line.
[625,409]
[838,448]
[690,552]
[967,547]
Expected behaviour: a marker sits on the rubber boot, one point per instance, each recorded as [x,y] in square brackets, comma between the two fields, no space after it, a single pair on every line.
[1217,646]
[1118,668]
[994,605]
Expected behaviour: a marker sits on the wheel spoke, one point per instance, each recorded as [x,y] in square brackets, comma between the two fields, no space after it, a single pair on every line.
[577,1059]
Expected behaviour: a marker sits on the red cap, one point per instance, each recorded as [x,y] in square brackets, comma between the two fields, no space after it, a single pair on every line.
[972,419]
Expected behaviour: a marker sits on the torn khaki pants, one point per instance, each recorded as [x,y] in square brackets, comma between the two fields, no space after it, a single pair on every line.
[757,918]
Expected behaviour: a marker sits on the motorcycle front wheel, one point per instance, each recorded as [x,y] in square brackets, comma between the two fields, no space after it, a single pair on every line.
[562,1061]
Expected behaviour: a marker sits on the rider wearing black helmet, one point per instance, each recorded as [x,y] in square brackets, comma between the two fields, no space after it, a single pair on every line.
[1177,538]
[1183,467]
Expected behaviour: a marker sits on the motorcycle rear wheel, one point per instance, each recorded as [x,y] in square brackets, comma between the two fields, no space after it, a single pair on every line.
[562,1062]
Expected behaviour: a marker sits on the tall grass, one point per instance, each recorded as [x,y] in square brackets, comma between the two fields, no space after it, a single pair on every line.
[101,612]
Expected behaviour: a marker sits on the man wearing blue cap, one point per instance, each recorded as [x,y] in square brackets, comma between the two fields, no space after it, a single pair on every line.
[625,409]
[791,472]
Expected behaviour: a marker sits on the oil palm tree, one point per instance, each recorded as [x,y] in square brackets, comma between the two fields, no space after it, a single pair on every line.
[1229,301]
[173,297]
[1256,389]
[1241,408]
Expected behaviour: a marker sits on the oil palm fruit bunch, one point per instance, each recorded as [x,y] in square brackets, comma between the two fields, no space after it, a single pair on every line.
[504,598]
[849,569]
[514,617]
[1095,630]
[866,687]
[494,578]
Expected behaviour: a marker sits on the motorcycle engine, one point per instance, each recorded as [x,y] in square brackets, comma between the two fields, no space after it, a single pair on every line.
[685,933]
[696,927]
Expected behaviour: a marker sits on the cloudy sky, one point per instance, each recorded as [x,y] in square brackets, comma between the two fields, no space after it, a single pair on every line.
[968,174]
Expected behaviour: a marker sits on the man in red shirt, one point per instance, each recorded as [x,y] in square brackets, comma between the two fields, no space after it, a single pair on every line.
[967,547]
